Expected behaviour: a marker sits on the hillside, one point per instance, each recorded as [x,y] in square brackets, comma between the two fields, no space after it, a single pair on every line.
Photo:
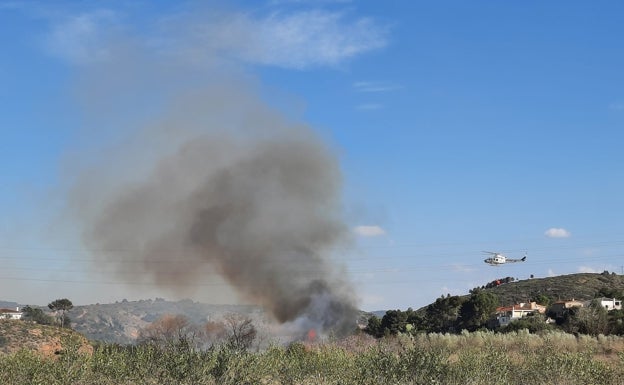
[579,286]
[47,340]
[120,322]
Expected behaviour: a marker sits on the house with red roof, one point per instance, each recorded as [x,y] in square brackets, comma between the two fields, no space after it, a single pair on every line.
[507,314]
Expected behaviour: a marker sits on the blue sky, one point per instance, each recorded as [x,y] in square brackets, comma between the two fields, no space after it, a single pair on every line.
[459,127]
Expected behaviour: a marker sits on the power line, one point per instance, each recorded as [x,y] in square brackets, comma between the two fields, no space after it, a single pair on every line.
[356,270]
[136,255]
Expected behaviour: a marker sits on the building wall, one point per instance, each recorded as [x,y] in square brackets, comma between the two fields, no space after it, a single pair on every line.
[611,303]
[10,314]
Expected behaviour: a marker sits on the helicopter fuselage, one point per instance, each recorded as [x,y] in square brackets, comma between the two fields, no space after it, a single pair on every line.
[496,260]
[499,259]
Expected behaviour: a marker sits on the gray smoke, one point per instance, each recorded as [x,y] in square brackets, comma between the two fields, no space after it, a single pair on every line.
[183,177]
[222,184]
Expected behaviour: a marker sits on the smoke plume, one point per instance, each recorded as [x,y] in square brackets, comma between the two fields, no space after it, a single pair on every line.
[218,182]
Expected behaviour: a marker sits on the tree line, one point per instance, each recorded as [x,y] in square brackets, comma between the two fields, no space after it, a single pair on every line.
[59,317]
[448,314]
[452,314]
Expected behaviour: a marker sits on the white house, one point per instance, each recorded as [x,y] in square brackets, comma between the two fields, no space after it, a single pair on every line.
[610,303]
[11,314]
[507,314]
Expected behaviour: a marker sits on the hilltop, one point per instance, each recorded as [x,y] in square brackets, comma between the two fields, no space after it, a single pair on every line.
[581,286]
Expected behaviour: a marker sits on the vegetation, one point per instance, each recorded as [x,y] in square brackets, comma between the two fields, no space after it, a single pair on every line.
[453,314]
[467,358]
[446,314]
[477,310]
[444,343]
[61,307]
[240,332]
[36,315]
[234,331]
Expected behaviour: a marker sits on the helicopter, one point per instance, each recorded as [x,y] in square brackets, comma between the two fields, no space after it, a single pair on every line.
[498,259]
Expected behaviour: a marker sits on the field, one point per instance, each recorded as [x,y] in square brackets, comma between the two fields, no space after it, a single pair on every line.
[468,358]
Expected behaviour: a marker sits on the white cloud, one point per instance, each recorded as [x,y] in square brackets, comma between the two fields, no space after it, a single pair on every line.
[364,86]
[291,39]
[369,231]
[299,39]
[587,269]
[555,232]
[80,39]
[551,273]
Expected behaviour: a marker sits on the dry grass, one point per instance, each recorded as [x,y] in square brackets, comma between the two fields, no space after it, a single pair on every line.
[468,358]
